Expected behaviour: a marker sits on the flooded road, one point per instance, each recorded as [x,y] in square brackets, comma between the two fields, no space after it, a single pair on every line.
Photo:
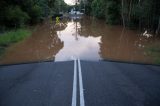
[86,38]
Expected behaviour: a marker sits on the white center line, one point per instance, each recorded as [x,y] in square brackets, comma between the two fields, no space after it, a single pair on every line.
[74,93]
[82,103]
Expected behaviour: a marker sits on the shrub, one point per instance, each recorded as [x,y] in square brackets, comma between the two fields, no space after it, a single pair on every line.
[98,8]
[15,16]
[35,13]
[112,13]
[13,36]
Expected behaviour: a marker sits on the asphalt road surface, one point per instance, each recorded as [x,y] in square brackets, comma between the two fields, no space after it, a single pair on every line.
[80,83]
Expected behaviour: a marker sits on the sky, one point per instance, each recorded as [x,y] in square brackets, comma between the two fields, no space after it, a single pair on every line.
[70,2]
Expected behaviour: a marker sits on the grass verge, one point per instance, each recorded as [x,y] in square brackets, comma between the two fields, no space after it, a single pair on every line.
[154,51]
[13,36]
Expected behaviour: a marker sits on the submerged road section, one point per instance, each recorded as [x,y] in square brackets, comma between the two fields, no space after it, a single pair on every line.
[80,83]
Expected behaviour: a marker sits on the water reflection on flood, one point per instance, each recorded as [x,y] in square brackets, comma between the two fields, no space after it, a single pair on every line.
[41,46]
[86,38]
[77,46]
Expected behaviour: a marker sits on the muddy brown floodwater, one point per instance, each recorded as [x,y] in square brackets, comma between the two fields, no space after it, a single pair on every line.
[86,38]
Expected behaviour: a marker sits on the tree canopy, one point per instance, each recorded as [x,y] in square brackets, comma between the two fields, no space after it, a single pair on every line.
[19,12]
[132,13]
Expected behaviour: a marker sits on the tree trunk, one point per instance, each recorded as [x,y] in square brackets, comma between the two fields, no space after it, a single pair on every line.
[158,28]
[130,9]
[122,3]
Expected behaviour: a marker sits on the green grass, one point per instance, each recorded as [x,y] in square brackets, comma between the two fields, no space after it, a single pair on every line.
[13,36]
[2,49]
[154,51]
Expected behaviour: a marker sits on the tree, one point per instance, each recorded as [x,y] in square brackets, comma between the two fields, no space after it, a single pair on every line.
[19,12]
[15,16]
[112,12]
[98,8]
[131,13]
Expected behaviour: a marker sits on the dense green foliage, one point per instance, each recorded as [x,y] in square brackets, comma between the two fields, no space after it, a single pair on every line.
[112,12]
[88,8]
[16,13]
[98,8]
[13,36]
[60,6]
[131,13]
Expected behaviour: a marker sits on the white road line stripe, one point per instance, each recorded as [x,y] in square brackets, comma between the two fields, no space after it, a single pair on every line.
[74,93]
[82,103]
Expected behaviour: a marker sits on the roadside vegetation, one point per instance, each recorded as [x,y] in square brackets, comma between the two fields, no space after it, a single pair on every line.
[141,15]
[154,52]
[137,14]
[13,36]
[17,15]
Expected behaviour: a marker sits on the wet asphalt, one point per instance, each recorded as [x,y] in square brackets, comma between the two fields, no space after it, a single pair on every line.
[104,84]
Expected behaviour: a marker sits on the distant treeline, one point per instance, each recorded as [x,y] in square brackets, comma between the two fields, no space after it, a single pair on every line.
[16,13]
[130,13]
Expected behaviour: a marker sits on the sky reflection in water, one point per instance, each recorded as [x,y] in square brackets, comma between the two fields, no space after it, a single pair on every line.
[77,46]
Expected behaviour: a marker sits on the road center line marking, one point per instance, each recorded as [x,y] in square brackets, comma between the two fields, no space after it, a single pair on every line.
[74,93]
[82,103]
